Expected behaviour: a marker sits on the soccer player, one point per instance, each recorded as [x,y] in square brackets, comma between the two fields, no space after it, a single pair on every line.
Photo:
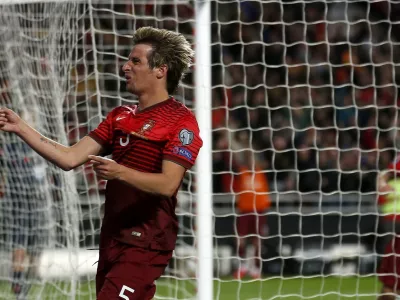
[25,206]
[389,268]
[152,145]
[252,202]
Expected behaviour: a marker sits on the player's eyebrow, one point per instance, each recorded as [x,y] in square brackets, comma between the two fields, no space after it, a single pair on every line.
[134,58]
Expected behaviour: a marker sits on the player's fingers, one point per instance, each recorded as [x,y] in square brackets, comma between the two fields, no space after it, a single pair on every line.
[102,175]
[100,168]
[4,110]
[94,163]
[97,158]
[93,157]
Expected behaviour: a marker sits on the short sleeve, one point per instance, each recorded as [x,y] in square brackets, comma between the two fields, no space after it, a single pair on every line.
[184,143]
[103,134]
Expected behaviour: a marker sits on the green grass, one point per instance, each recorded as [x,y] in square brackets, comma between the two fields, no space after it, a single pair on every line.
[328,288]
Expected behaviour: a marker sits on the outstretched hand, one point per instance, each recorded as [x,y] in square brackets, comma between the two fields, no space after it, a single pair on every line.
[105,168]
[9,120]
[385,189]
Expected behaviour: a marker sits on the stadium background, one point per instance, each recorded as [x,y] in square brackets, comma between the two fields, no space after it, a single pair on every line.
[316,99]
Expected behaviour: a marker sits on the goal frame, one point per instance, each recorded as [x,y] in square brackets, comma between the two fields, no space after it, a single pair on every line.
[203,106]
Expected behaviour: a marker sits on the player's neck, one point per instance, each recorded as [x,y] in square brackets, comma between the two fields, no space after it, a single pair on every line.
[150,99]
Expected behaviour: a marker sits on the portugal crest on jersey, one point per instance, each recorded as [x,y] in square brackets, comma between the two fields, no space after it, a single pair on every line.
[147,126]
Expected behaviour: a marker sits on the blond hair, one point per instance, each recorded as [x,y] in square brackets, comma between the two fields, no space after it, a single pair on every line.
[169,48]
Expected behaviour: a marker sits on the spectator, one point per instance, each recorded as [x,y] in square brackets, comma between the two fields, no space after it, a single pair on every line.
[251,188]
[24,202]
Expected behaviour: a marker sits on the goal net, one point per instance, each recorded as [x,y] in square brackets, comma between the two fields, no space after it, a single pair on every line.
[39,205]
[304,117]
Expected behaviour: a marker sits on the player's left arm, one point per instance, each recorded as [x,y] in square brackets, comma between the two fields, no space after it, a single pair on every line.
[165,183]
[179,155]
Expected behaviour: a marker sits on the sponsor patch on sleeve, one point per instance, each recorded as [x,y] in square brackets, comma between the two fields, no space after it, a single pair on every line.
[183,152]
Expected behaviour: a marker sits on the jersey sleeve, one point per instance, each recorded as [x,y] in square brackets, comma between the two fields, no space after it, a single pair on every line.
[103,134]
[184,143]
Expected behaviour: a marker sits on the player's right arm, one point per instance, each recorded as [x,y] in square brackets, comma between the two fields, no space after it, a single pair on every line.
[64,157]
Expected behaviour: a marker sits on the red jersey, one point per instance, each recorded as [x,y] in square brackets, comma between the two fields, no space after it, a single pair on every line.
[141,140]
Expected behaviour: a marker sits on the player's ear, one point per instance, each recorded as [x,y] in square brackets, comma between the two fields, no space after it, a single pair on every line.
[162,71]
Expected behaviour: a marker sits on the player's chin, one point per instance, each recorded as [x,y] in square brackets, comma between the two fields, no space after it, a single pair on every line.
[130,87]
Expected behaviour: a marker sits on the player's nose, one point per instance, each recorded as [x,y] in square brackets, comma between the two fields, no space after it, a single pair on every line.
[126,67]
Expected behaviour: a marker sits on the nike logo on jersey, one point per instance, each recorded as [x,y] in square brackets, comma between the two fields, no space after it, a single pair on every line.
[120,117]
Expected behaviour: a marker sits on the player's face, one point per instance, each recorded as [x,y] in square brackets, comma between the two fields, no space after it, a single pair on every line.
[140,78]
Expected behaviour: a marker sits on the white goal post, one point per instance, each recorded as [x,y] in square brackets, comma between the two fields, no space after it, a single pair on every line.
[297,104]
[204,213]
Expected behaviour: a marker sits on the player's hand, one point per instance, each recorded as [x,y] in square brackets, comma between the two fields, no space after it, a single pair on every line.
[385,189]
[105,168]
[9,120]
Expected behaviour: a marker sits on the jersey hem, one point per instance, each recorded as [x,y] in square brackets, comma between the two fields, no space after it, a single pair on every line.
[178,161]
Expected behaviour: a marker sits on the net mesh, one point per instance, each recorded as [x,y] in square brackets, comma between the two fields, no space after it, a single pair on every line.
[304,97]
[39,209]
[305,93]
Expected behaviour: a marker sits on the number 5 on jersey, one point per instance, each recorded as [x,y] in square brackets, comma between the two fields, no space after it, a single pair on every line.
[122,292]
